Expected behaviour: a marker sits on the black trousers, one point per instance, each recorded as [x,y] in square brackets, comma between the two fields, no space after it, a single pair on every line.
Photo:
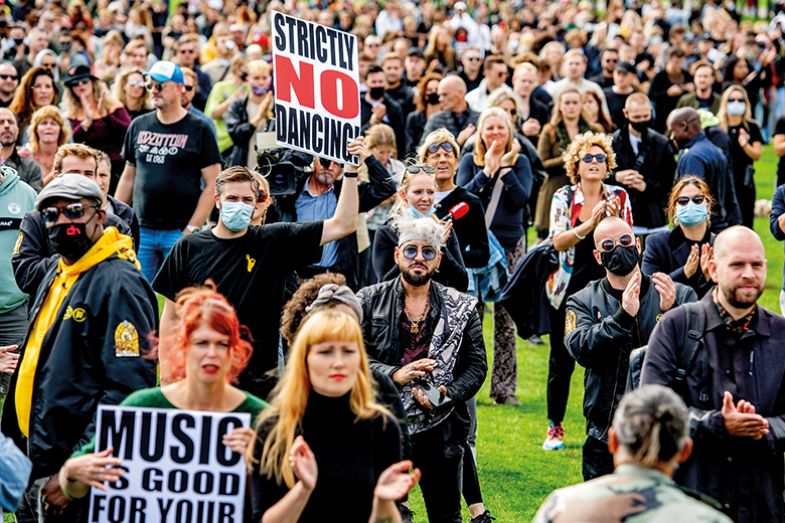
[439,455]
[597,459]
[560,368]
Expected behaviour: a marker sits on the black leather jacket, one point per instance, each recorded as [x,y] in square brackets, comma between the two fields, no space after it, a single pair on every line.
[600,335]
[382,305]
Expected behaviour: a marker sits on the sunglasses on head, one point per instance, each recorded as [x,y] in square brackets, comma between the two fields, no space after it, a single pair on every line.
[625,240]
[416,169]
[447,146]
[72,211]
[684,200]
[410,252]
[601,158]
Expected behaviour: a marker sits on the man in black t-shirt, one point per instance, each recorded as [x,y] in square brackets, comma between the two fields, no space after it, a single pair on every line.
[250,264]
[169,154]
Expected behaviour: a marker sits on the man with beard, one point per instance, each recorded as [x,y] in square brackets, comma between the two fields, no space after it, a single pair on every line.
[731,382]
[28,169]
[605,322]
[428,339]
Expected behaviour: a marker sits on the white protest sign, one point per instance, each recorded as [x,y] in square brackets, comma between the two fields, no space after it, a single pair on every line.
[317,87]
[177,467]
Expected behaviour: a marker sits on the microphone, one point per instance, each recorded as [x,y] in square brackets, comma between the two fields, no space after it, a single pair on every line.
[457,211]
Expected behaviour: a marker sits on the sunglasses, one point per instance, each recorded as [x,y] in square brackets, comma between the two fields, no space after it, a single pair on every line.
[416,169]
[80,81]
[736,100]
[434,147]
[189,88]
[326,164]
[154,86]
[72,211]
[8,76]
[136,83]
[684,200]
[601,158]
[625,240]
[410,252]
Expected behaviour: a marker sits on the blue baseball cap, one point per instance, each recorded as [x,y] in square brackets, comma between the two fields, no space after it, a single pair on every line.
[164,71]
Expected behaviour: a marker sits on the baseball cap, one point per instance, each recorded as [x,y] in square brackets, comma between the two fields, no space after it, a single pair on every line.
[165,71]
[415,51]
[626,67]
[69,186]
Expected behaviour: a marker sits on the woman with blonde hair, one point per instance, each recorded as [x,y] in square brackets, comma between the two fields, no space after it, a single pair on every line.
[416,199]
[48,131]
[746,145]
[502,178]
[576,210]
[252,114]
[324,437]
[129,88]
[97,118]
[439,48]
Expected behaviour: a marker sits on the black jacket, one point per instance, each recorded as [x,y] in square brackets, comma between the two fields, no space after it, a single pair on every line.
[415,124]
[126,213]
[744,475]
[393,117]
[34,256]
[600,335]
[668,252]
[656,162]
[80,364]
[452,272]
[379,187]
[382,305]
[470,229]
[240,130]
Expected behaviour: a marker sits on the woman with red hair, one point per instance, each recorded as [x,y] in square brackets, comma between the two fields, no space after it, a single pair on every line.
[206,354]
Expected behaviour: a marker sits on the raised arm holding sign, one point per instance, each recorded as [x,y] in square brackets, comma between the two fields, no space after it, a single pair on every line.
[317,88]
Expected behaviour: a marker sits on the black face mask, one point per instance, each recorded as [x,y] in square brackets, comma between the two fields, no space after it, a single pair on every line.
[640,126]
[620,260]
[70,240]
[19,41]
[433,98]
[65,47]
[376,93]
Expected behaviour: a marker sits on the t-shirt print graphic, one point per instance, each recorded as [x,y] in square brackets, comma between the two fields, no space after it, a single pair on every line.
[157,146]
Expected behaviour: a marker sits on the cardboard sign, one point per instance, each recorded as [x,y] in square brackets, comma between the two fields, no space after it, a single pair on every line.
[177,467]
[317,87]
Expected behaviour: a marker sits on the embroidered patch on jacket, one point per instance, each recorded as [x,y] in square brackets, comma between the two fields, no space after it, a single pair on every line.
[251,262]
[570,322]
[18,243]
[77,314]
[126,340]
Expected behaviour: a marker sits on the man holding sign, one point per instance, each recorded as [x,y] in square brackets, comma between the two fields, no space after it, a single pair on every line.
[317,87]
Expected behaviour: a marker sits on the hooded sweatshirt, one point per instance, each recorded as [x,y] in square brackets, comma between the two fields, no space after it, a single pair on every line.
[16,199]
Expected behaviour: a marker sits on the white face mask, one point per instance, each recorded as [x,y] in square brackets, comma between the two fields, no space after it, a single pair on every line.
[737,108]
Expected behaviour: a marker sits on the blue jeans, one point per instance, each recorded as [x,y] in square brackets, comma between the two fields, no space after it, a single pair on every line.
[154,246]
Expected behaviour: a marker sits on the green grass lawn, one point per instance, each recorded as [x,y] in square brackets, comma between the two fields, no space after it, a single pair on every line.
[515,473]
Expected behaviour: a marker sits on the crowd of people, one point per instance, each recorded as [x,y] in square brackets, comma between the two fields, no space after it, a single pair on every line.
[342,306]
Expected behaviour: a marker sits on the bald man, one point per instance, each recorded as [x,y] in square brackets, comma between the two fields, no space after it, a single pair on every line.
[455,116]
[733,382]
[698,156]
[605,322]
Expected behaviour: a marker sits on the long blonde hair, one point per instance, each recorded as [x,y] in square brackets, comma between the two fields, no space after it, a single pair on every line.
[722,113]
[290,396]
[72,104]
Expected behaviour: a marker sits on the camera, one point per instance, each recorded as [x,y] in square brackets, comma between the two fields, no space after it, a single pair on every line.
[282,167]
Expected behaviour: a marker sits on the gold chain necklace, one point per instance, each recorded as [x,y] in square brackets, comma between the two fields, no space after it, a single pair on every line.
[414,323]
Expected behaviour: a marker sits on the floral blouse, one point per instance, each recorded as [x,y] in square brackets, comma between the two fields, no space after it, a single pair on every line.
[566,207]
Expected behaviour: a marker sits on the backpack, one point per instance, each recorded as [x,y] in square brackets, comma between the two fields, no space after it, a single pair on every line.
[696,323]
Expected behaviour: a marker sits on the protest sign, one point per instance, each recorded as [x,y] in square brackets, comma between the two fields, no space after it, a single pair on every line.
[317,87]
[177,466]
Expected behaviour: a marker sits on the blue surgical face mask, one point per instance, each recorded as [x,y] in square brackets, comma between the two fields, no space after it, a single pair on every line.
[737,108]
[236,216]
[418,214]
[260,90]
[692,214]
